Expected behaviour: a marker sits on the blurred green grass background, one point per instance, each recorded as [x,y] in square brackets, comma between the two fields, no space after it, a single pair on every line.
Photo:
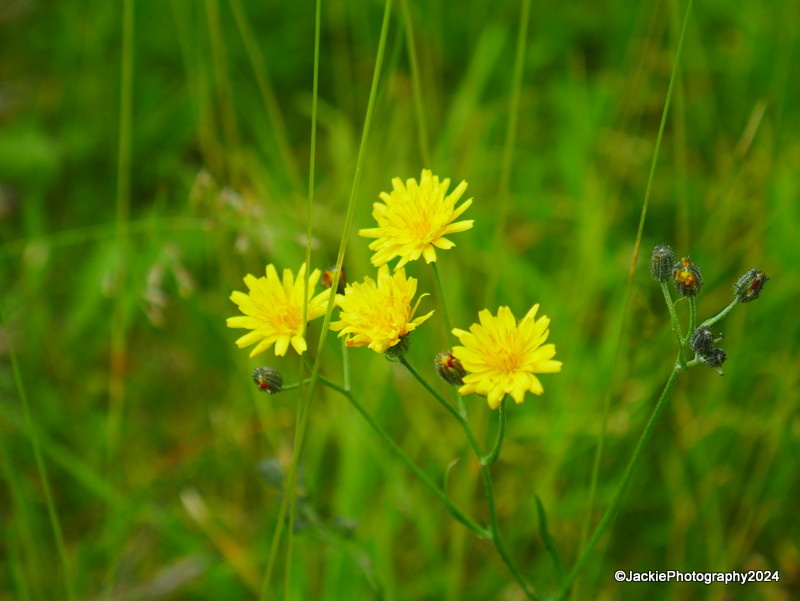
[161,455]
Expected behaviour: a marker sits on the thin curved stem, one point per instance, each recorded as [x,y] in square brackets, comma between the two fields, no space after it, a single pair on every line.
[501,434]
[412,370]
[712,320]
[416,85]
[661,128]
[673,315]
[421,476]
[689,332]
[494,527]
[448,335]
[440,292]
[509,146]
[610,513]
[295,385]
[302,426]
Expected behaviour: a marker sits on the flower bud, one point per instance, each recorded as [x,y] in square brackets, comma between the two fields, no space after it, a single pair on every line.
[661,262]
[687,277]
[399,350]
[749,285]
[702,341]
[449,368]
[267,379]
[715,358]
[329,275]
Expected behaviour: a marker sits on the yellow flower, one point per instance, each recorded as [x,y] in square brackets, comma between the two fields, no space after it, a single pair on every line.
[414,219]
[273,309]
[501,356]
[378,315]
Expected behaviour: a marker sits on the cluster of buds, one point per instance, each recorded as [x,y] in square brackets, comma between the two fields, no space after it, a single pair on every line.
[688,281]
[702,343]
[684,273]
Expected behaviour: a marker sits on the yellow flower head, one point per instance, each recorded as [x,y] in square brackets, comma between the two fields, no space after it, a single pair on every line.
[273,309]
[413,219]
[378,315]
[501,355]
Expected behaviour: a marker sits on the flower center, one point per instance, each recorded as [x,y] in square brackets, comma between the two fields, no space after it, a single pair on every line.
[286,317]
[420,226]
[506,361]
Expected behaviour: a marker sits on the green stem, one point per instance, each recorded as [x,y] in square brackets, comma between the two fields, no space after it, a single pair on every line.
[712,320]
[421,476]
[416,86]
[503,193]
[309,228]
[303,411]
[345,365]
[494,528]
[448,331]
[632,270]
[696,361]
[120,318]
[661,127]
[268,96]
[501,433]
[690,331]
[549,542]
[673,315]
[440,292]
[412,370]
[295,385]
[348,222]
[610,513]
[223,91]
[312,158]
[497,538]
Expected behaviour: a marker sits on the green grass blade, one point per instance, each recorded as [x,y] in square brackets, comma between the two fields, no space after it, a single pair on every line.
[41,468]
[302,426]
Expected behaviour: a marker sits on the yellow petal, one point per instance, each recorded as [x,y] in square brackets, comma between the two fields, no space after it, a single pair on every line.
[299,344]
[248,339]
[281,345]
[242,321]
[261,347]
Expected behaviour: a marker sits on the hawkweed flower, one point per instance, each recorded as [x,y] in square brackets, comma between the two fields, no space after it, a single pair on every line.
[661,261]
[749,285]
[687,277]
[273,310]
[267,379]
[501,356]
[414,219]
[379,315]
